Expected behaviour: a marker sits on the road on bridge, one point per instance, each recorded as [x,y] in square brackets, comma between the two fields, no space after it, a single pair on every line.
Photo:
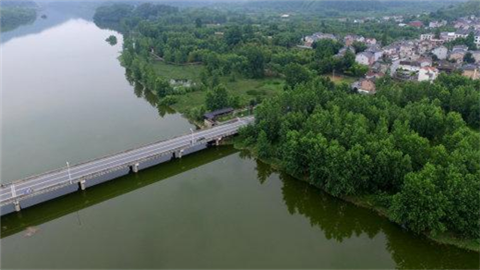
[129,157]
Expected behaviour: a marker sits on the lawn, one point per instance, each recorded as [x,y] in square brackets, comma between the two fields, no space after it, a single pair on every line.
[339,79]
[246,89]
[189,72]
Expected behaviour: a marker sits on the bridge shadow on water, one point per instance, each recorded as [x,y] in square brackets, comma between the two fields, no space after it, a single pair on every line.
[51,210]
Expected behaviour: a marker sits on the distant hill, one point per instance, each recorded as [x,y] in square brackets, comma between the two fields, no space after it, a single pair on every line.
[452,12]
[353,5]
[18,3]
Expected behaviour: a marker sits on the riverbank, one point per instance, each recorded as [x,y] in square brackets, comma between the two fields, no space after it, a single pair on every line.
[368,202]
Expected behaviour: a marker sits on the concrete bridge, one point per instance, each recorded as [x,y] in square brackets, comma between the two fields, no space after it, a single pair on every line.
[40,188]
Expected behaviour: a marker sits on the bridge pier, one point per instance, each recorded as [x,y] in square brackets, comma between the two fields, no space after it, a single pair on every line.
[217,141]
[178,154]
[17,206]
[82,185]
[134,167]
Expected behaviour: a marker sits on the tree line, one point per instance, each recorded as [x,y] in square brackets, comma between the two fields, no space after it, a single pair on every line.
[412,148]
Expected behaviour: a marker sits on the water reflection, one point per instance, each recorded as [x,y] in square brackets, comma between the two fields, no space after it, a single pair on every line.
[341,221]
[152,99]
[57,13]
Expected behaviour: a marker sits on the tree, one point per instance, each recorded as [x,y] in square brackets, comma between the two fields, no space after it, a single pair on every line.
[325,48]
[359,46]
[233,35]
[421,204]
[468,58]
[162,87]
[295,74]
[198,23]
[263,145]
[437,33]
[255,61]
[470,41]
[217,98]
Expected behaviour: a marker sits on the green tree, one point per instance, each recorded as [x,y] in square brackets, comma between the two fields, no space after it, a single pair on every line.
[421,204]
[468,58]
[233,35]
[217,98]
[295,74]
[198,23]
[263,145]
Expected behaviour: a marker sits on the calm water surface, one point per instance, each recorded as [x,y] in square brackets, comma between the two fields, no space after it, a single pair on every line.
[65,97]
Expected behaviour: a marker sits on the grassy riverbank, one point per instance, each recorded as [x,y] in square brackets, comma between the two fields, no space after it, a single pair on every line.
[245,89]
[370,202]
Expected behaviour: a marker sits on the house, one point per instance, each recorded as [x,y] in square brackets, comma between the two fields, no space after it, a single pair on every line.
[365,58]
[425,61]
[428,36]
[285,16]
[344,50]
[349,39]
[371,75]
[417,24]
[440,52]
[211,117]
[427,74]
[457,55]
[437,24]
[462,33]
[477,38]
[460,48]
[476,56]
[390,50]
[445,66]
[380,67]
[448,36]
[410,66]
[371,41]
[364,86]
[471,71]
[309,40]
[406,49]
[377,52]
[461,23]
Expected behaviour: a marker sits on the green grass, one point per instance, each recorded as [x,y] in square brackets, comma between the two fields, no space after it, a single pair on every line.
[339,79]
[189,72]
[246,89]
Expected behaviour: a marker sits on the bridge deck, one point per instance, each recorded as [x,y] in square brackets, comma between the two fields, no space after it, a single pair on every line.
[37,184]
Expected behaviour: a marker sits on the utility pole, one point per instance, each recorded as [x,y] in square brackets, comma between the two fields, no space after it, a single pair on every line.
[12,188]
[68,170]
[191,129]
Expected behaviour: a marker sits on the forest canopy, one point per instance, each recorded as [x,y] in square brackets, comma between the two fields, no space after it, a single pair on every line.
[413,148]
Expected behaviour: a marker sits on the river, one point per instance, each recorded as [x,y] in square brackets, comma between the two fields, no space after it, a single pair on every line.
[66,98]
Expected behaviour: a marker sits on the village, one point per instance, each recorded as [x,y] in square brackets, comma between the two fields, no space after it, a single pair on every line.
[421,59]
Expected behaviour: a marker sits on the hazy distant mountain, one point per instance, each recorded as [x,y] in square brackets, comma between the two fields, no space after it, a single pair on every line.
[451,12]
[20,3]
[353,5]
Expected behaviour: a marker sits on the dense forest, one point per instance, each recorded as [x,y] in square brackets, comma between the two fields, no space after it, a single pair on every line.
[348,7]
[12,17]
[453,12]
[412,148]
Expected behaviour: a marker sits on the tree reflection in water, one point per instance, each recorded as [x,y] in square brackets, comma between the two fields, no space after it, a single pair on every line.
[341,221]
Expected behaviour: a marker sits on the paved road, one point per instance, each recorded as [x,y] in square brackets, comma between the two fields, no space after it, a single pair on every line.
[44,181]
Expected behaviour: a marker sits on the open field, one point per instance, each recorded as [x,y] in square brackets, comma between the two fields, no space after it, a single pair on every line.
[245,89]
